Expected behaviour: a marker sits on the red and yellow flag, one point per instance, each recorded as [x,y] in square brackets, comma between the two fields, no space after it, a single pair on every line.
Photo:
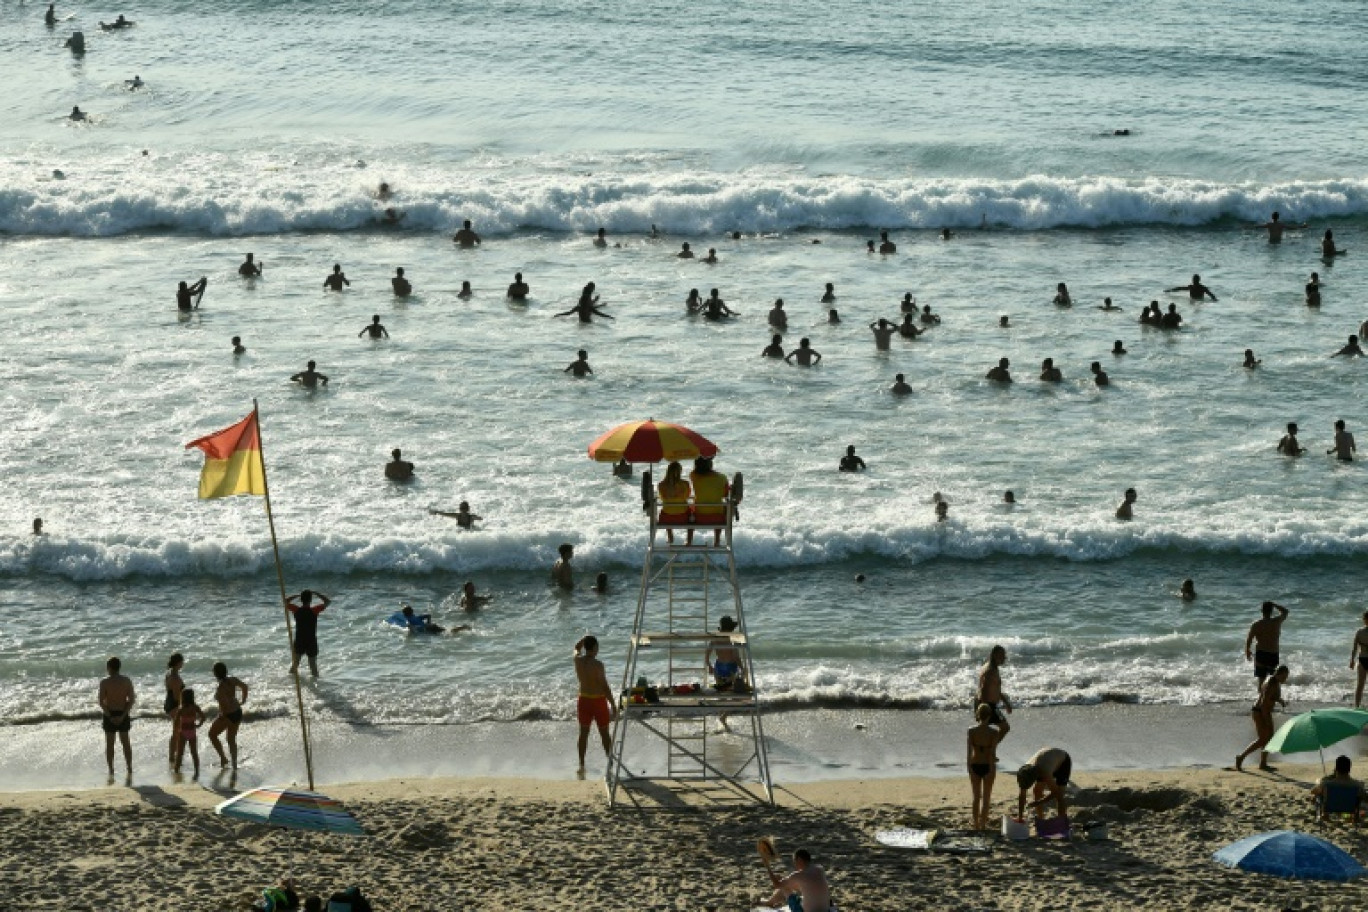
[232,463]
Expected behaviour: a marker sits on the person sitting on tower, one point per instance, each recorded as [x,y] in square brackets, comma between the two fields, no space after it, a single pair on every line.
[723,661]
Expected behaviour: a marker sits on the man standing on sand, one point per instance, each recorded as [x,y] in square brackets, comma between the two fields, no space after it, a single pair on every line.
[1047,773]
[989,691]
[226,694]
[1263,638]
[116,699]
[1269,694]
[1358,655]
[306,627]
[595,704]
[805,890]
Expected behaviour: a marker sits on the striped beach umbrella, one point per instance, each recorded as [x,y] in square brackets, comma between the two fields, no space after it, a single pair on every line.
[650,441]
[294,809]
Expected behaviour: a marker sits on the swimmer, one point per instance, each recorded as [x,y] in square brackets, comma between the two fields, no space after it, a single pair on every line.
[601,584]
[907,329]
[655,233]
[466,291]
[777,318]
[928,317]
[885,245]
[1004,322]
[736,235]
[309,378]
[375,328]
[336,280]
[383,192]
[829,297]
[622,468]
[518,290]
[1151,316]
[1099,375]
[392,217]
[587,308]
[76,42]
[1288,445]
[580,367]
[833,318]
[50,17]
[185,294]
[249,268]
[1173,319]
[1187,591]
[1363,329]
[119,23]
[908,304]
[850,462]
[883,333]
[1118,348]
[600,239]
[1009,498]
[1351,349]
[466,236]
[1328,249]
[238,347]
[77,114]
[135,83]
[1000,373]
[900,386]
[1062,295]
[464,518]
[469,600]
[774,349]
[684,252]
[694,302]
[804,354]
[1313,295]
[398,469]
[401,286]
[711,257]
[1275,228]
[1250,361]
[942,510]
[1344,447]
[1049,373]
[1107,305]
[946,234]
[1196,291]
[716,309]
[1127,508]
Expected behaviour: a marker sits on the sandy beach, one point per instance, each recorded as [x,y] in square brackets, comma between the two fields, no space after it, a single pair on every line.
[536,844]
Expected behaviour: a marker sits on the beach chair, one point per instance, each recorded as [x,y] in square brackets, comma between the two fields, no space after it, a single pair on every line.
[1341,798]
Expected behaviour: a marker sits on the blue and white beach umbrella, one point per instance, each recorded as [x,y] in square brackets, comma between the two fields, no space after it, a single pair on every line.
[1286,853]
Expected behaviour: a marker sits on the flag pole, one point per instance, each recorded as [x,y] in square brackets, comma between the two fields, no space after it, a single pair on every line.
[284,600]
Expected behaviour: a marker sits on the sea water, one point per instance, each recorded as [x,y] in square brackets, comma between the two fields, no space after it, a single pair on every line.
[267,128]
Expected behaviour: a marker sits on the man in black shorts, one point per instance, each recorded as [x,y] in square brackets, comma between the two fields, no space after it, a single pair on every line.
[306,627]
[1048,772]
[116,698]
[1261,646]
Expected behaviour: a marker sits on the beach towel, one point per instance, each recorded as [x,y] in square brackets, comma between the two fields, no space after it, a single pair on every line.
[948,842]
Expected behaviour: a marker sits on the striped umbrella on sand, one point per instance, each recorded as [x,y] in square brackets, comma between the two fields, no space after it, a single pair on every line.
[293,809]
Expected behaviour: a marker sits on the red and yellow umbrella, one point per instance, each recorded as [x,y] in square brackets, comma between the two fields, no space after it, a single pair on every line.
[650,441]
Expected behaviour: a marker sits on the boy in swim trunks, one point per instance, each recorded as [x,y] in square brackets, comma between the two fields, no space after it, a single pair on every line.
[595,704]
[116,699]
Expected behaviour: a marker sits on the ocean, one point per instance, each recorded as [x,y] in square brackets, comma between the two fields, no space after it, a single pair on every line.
[807,128]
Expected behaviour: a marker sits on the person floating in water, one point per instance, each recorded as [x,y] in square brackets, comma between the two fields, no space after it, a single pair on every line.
[850,462]
[249,268]
[885,245]
[398,468]
[135,83]
[1352,349]
[188,297]
[1250,361]
[464,518]
[1328,249]
[1000,373]
[684,252]
[1288,445]
[580,367]
[375,328]
[1107,305]
[336,280]
[1061,297]
[401,286]
[1196,291]
[900,386]
[119,23]
[77,114]
[587,308]
[310,378]
[518,290]
[1275,228]
[1127,508]
[238,347]
[775,349]
[466,236]
[804,354]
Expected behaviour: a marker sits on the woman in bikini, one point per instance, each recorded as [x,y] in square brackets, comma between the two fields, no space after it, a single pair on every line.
[187,719]
[174,686]
[1269,694]
[230,694]
[983,740]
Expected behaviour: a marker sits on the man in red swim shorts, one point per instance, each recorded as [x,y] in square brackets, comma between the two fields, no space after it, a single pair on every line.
[595,705]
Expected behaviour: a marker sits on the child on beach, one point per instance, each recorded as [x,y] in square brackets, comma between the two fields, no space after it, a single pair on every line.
[188,718]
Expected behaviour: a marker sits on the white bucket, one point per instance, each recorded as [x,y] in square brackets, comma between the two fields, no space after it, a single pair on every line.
[1015,829]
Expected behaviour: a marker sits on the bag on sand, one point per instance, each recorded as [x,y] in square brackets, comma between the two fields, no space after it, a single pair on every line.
[349,900]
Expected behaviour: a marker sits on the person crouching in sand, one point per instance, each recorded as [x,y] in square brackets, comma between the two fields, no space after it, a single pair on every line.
[1047,773]
[1269,694]
[983,740]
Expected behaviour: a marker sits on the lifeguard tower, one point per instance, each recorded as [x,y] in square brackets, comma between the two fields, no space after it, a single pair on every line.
[711,734]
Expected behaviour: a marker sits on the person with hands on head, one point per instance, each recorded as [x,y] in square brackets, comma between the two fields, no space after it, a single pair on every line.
[306,614]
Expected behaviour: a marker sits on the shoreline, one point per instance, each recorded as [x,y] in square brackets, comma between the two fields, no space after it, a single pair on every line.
[804,747]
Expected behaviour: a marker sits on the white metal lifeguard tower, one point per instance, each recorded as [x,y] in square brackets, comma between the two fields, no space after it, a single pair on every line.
[710,733]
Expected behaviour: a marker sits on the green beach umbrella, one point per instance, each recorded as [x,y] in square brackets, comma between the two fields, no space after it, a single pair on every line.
[1317,730]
